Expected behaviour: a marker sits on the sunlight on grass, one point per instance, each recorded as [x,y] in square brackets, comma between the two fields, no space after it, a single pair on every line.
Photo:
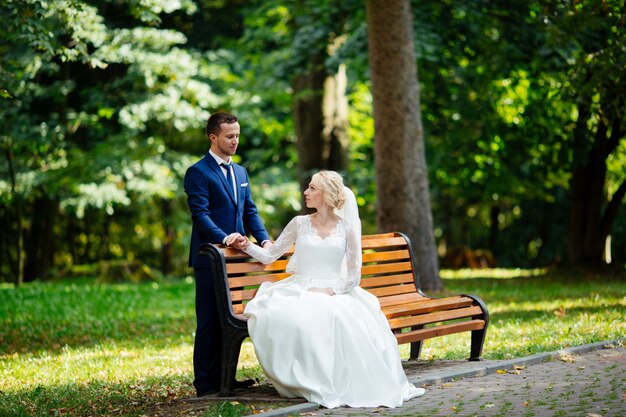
[490,273]
[108,362]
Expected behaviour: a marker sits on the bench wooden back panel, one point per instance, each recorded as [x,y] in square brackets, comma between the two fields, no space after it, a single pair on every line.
[387,272]
[245,275]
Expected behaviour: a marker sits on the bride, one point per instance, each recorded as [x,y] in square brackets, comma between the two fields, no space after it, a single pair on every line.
[317,334]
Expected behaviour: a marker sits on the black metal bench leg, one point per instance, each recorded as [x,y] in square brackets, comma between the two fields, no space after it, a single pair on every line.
[231,346]
[416,347]
[478,339]
[416,350]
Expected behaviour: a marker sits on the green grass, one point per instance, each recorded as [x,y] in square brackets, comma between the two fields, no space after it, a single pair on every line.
[78,348]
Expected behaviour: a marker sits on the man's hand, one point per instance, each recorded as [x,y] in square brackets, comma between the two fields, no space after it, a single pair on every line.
[232,238]
[237,241]
[241,243]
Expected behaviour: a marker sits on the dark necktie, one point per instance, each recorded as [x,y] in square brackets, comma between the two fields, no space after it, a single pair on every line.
[229,177]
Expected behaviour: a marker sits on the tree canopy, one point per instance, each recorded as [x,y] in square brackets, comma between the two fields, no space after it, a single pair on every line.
[104,103]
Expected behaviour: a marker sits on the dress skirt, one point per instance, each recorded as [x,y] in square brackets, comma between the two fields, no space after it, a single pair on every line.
[332,350]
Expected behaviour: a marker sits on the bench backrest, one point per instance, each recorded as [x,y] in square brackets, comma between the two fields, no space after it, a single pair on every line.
[387,271]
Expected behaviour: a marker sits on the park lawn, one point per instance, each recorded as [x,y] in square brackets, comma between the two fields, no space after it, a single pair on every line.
[74,347]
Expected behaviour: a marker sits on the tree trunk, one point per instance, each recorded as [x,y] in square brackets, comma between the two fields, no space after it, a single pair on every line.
[321,120]
[308,92]
[403,202]
[586,243]
[591,217]
[336,121]
[40,242]
[19,237]
[169,231]
[494,229]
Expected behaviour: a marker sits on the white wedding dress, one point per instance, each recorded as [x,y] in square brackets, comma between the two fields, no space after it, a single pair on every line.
[332,350]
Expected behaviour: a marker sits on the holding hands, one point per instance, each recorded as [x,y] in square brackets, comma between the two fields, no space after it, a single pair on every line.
[240,242]
[237,241]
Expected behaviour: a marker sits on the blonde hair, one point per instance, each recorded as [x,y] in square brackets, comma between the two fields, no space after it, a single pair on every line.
[331,184]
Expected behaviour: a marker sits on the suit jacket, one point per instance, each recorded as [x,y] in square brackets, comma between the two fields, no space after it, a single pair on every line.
[214,211]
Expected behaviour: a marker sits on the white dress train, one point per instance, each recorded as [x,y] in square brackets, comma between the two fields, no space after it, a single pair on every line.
[332,350]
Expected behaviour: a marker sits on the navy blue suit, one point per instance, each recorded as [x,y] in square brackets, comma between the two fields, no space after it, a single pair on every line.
[215,214]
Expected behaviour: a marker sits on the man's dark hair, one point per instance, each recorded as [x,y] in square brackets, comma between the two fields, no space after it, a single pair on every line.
[215,121]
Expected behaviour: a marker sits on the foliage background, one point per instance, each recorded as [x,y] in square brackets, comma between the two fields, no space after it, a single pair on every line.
[104,103]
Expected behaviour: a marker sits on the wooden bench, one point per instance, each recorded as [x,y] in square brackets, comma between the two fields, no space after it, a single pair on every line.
[388,272]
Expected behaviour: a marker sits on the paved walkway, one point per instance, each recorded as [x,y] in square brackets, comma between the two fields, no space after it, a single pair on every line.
[586,381]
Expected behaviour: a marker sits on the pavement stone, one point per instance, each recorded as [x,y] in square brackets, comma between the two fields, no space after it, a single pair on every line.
[586,381]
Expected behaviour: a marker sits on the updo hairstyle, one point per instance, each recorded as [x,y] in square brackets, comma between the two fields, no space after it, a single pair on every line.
[331,185]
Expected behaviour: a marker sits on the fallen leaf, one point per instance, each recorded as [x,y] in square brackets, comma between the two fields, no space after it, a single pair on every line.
[593,415]
[566,357]
[519,367]
[501,371]
[514,372]
[525,403]
[489,405]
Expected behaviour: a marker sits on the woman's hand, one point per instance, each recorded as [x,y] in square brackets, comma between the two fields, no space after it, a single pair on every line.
[237,241]
[327,291]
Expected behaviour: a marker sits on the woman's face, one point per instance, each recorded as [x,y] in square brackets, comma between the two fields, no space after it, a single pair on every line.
[313,196]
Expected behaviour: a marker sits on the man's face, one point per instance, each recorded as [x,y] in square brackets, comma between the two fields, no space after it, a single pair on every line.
[225,144]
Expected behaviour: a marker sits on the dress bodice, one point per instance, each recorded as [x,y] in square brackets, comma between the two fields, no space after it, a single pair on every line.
[318,257]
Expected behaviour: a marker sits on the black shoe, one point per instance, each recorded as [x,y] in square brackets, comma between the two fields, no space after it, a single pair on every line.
[243,384]
[200,394]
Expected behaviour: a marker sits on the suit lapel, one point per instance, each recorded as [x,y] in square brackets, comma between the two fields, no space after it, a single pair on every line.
[217,170]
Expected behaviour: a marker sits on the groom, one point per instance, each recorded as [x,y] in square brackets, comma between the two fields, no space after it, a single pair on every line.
[218,195]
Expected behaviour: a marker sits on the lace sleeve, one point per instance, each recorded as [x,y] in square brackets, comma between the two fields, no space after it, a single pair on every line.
[282,244]
[352,277]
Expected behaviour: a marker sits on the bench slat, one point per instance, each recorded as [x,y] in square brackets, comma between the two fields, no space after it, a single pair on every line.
[393,290]
[377,242]
[248,267]
[243,295]
[426,306]
[250,280]
[368,270]
[392,255]
[400,299]
[436,317]
[387,280]
[232,253]
[379,235]
[443,330]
